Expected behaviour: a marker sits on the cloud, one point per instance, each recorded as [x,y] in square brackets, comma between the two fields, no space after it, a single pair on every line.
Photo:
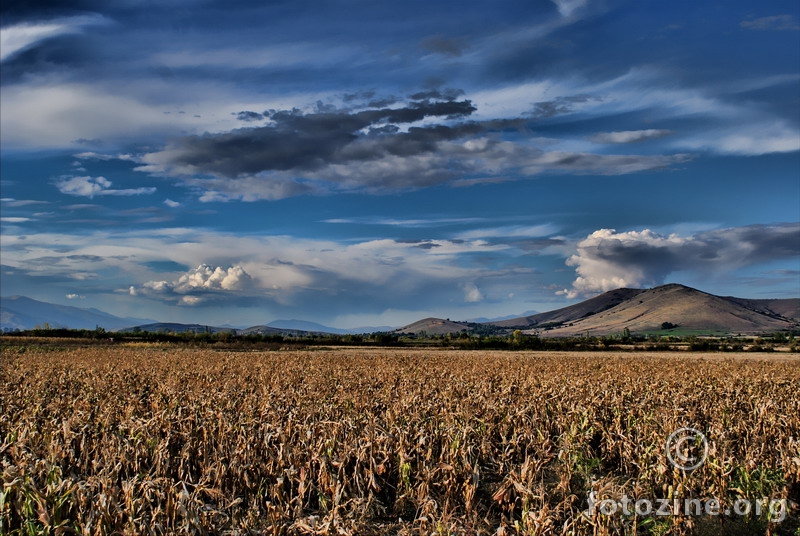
[307,142]
[759,138]
[171,204]
[560,105]
[472,293]
[774,23]
[92,186]
[403,222]
[10,202]
[84,186]
[206,277]
[249,116]
[426,142]
[48,112]
[253,188]
[272,272]
[606,259]
[17,38]
[601,164]
[568,7]
[204,283]
[511,231]
[91,155]
[629,136]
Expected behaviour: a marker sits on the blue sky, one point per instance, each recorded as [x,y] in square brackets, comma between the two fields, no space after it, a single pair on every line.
[371,163]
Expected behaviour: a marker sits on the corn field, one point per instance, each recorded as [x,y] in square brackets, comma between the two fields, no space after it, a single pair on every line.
[156,440]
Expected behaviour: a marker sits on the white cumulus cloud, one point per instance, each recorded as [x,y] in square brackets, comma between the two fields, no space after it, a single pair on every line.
[606,260]
[207,277]
[472,294]
[200,285]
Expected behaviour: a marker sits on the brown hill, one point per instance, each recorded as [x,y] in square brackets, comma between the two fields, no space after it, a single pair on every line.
[572,313]
[685,307]
[433,326]
[787,308]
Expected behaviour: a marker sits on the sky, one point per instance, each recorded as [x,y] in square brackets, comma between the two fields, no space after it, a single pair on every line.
[363,163]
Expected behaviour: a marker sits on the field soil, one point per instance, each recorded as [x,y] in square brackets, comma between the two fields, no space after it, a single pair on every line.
[161,439]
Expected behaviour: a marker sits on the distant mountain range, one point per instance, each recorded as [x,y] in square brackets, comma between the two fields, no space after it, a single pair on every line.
[22,313]
[19,312]
[313,327]
[667,309]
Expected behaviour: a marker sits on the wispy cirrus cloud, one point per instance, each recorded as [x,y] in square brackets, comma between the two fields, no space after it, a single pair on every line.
[568,7]
[403,222]
[10,202]
[92,186]
[630,136]
[510,231]
[19,37]
[778,23]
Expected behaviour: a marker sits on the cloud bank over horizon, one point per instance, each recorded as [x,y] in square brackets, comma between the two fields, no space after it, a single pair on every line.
[607,260]
[207,161]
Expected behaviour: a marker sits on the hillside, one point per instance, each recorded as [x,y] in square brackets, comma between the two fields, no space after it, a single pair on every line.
[270,330]
[637,310]
[788,308]
[433,326]
[313,327]
[173,327]
[572,313]
[688,308]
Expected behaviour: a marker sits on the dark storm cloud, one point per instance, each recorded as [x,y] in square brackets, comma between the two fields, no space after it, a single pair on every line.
[248,116]
[447,93]
[358,96]
[375,150]
[305,142]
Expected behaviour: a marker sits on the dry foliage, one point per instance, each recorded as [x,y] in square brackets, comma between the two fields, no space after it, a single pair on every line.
[155,440]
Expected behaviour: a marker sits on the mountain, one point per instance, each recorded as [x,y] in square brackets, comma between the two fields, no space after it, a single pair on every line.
[20,312]
[572,313]
[270,330]
[485,320]
[313,327]
[638,310]
[787,308]
[304,325]
[364,330]
[174,327]
[685,307]
[433,326]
